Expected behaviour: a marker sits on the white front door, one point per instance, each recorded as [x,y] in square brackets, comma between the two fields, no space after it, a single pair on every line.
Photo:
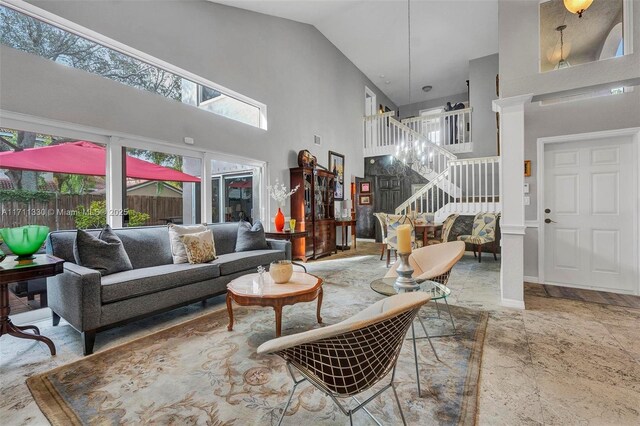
[590,215]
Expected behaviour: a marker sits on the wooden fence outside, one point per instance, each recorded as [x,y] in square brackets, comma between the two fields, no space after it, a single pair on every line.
[59,212]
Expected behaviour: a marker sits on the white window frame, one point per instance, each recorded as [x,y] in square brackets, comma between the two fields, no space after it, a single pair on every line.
[114,142]
[84,32]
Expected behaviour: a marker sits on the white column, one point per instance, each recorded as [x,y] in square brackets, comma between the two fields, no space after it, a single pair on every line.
[206,196]
[114,182]
[512,198]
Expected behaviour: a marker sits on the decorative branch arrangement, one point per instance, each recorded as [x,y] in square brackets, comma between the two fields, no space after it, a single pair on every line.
[280,193]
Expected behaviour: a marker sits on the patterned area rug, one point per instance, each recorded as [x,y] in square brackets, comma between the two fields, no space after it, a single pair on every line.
[197,372]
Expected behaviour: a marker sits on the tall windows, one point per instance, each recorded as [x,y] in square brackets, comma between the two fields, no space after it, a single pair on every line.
[232,198]
[161,188]
[238,198]
[233,195]
[215,199]
[51,180]
[25,33]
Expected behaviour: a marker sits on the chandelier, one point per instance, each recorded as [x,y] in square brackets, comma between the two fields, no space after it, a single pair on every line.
[562,63]
[414,155]
[411,153]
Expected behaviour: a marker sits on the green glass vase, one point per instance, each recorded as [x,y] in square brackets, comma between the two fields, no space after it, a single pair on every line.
[25,240]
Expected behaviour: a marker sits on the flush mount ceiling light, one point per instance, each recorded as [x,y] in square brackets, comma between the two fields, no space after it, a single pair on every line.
[577,6]
[562,63]
[426,89]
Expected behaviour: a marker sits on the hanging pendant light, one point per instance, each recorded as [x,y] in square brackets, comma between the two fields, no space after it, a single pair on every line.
[562,63]
[412,153]
[577,6]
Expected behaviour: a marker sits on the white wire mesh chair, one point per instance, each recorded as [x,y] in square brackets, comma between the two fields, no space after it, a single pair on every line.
[434,263]
[350,357]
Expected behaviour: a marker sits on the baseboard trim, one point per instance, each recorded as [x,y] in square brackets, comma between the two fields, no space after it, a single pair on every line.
[511,303]
[533,280]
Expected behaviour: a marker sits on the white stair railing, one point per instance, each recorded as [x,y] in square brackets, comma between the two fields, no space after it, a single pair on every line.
[379,137]
[478,179]
[451,130]
[384,135]
[430,198]
[455,185]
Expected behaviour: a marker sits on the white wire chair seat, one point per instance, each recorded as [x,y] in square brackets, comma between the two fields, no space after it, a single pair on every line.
[350,357]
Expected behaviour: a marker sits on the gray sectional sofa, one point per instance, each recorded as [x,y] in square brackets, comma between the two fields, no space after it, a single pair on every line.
[91,303]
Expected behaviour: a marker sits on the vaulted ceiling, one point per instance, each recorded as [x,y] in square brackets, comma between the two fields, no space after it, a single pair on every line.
[373,34]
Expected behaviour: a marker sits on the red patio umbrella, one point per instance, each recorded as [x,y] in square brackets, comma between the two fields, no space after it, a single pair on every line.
[241,184]
[85,158]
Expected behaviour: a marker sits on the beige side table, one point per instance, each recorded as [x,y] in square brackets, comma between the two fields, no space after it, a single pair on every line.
[245,291]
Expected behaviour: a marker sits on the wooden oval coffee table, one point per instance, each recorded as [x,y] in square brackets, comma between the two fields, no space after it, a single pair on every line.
[302,287]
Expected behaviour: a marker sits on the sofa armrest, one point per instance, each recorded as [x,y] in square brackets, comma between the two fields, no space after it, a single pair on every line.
[281,245]
[75,295]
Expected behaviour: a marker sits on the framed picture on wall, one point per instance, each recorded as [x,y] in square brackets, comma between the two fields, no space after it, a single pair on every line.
[527,168]
[365,187]
[336,165]
[365,200]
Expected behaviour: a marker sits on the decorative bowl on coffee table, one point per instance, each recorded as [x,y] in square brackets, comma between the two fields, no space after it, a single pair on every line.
[281,271]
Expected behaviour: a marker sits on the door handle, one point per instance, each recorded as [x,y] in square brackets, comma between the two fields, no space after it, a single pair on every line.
[547,220]
[547,211]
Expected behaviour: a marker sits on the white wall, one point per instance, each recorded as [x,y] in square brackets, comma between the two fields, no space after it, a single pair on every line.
[519,74]
[309,86]
[413,110]
[584,116]
[482,91]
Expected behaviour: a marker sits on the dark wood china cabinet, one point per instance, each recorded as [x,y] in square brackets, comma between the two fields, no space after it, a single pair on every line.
[312,206]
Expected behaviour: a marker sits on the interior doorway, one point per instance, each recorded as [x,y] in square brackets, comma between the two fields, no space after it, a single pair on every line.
[589,211]
[370,108]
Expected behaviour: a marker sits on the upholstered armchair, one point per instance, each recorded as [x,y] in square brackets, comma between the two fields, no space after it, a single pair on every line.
[423,218]
[426,217]
[348,358]
[483,232]
[447,225]
[382,220]
[393,221]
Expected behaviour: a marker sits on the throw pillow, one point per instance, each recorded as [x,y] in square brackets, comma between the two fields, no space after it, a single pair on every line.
[200,247]
[178,251]
[104,253]
[251,237]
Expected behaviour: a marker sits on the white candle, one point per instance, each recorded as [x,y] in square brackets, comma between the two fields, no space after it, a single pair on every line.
[404,239]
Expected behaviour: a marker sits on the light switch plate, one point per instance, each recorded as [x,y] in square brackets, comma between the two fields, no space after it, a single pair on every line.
[527,200]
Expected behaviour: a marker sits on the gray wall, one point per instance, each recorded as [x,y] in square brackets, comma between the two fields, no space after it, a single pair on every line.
[519,52]
[309,86]
[413,110]
[482,91]
[584,116]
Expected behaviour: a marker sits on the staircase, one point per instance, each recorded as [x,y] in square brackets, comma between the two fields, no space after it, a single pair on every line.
[451,130]
[463,186]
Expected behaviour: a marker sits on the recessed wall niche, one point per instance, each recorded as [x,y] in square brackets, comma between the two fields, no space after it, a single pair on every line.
[568,40]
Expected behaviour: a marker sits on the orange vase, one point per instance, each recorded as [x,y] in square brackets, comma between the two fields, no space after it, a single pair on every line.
[279,221]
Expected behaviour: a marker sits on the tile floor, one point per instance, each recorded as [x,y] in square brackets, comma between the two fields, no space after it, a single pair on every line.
[559,362]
